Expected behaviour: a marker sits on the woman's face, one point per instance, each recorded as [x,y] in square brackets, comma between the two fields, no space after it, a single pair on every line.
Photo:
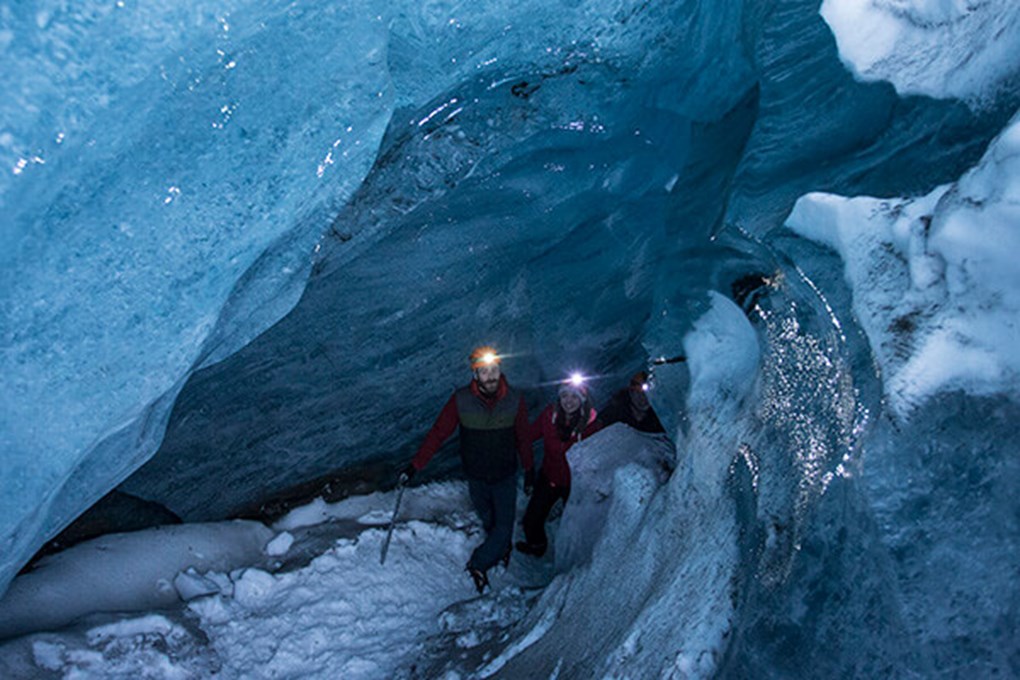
[570,402]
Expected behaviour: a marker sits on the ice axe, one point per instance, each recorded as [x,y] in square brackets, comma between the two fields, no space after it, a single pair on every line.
[393,522]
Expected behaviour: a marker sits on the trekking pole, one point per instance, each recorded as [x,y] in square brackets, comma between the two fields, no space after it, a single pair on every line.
[393,522]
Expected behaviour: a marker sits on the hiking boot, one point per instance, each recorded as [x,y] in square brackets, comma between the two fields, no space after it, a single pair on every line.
[535,549]
[505,559]
[479,577]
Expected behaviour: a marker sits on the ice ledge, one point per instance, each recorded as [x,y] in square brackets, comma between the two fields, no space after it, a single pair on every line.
[934,279]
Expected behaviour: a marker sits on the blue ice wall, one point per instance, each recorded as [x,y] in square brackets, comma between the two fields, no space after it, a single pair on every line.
[289,223]
[137,192]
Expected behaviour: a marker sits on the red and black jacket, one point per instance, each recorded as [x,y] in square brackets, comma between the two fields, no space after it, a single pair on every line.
[556,440]
[493,432]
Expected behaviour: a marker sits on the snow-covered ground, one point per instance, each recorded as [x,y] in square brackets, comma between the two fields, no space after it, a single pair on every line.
[308,599]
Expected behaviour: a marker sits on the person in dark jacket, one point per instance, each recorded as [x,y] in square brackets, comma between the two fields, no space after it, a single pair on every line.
[631,406]
[493,422]
[559,426]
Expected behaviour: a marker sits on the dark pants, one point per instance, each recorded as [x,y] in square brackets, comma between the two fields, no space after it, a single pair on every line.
[496,505]
[543,498]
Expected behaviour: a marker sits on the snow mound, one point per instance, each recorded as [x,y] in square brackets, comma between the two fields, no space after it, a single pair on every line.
[340,614]
[434,502]
[124,572]
[594,465]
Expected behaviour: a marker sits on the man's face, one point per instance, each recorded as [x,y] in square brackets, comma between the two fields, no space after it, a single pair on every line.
[488,378]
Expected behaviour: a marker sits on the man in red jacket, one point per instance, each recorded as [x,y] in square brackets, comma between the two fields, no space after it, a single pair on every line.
[493,422]
[560,426]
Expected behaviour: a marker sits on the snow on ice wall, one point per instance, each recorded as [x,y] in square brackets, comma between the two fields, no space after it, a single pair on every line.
[934,278]
[941,48]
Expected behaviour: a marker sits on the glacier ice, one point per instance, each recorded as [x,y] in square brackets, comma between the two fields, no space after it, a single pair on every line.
[269,232]
[146,249]
[125,245]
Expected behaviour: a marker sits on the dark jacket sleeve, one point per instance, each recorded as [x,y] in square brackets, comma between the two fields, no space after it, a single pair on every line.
[523,431]
[444,426]
[651,422]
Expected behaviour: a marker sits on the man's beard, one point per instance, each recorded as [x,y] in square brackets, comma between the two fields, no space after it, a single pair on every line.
[489,387]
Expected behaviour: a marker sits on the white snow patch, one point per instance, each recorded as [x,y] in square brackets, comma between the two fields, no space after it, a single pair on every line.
[190,584]
[341,615]
[48,655]
[941,48]
[280,545]
[434,502]
[152,623]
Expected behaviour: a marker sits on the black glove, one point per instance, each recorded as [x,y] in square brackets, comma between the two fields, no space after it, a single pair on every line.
[406,475]
[529,482]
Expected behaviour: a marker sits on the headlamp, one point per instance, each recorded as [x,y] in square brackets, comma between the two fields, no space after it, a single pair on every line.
[485,355]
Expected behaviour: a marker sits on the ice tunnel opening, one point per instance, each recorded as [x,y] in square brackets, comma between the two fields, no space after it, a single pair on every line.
[553,229]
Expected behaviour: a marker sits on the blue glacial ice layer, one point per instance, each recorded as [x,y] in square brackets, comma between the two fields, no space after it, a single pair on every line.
[499,207]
